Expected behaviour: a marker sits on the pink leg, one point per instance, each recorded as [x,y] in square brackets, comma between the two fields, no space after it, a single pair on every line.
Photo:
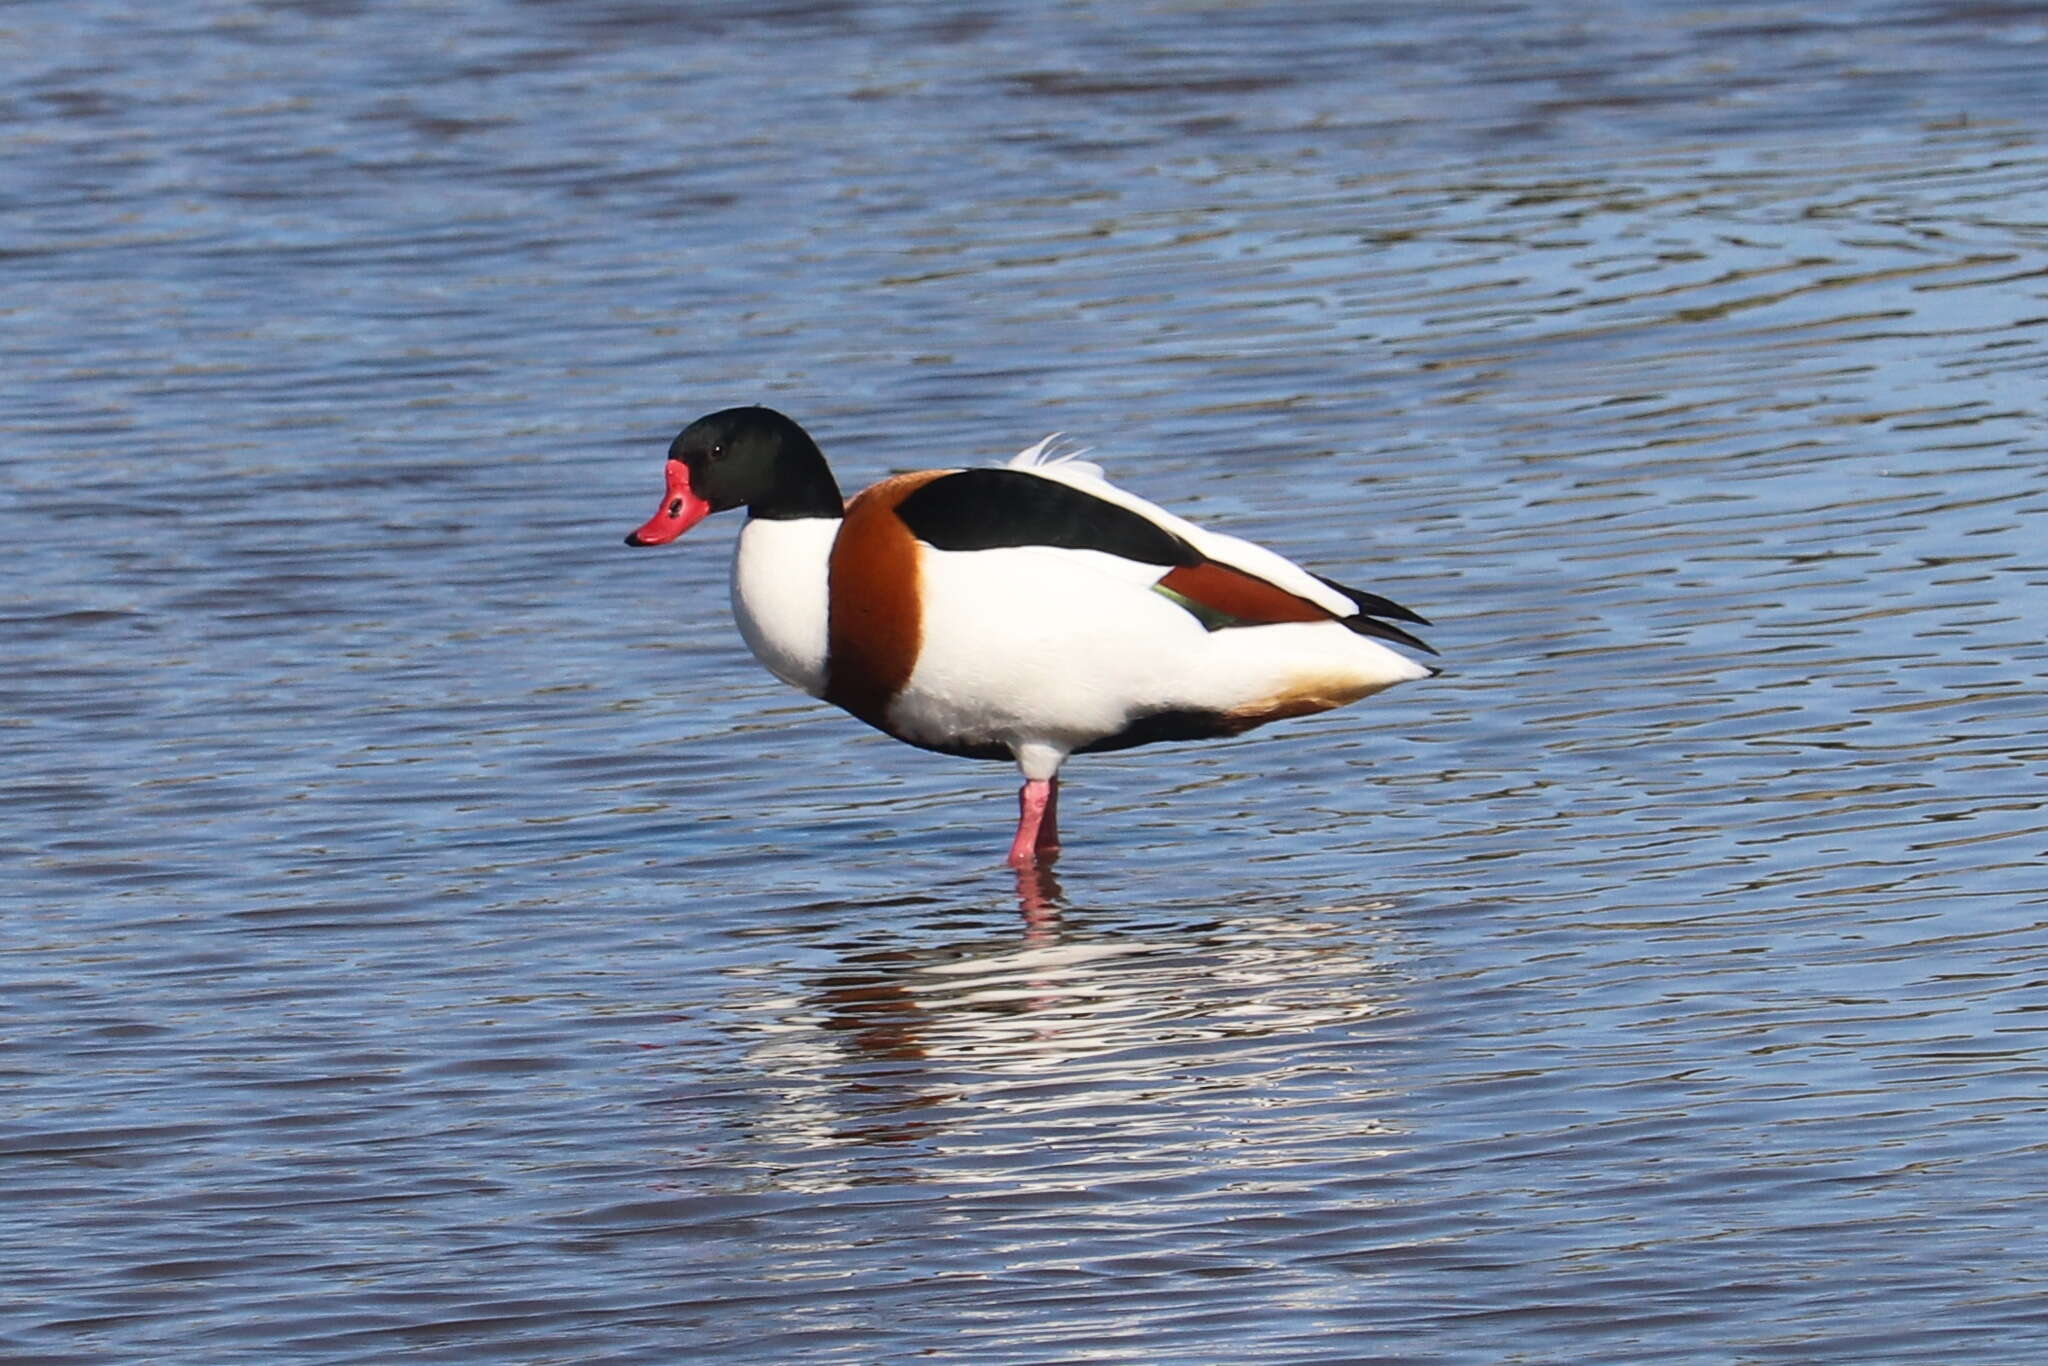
[1038,834]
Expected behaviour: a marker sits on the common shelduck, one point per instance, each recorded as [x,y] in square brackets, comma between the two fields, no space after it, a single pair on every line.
[1026,611]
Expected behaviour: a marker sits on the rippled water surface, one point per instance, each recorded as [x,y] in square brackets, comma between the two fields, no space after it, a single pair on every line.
[428,935]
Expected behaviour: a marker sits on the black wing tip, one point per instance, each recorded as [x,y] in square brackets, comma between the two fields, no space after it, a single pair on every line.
[1373,605]
[1381,630]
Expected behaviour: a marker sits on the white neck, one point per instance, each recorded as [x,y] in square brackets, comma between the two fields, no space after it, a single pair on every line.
[779,595]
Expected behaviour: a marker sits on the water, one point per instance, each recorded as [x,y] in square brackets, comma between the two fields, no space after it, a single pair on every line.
[429,936]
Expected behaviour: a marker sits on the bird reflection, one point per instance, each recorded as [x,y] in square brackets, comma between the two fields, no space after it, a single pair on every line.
[1038,900]
[881,1003]
[903,1041]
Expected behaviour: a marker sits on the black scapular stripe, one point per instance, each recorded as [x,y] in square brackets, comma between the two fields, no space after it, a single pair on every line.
[994,509]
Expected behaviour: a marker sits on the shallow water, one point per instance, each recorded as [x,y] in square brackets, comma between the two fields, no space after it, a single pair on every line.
[430,936]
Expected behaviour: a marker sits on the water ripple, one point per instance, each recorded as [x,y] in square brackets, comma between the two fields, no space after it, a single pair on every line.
[429,935]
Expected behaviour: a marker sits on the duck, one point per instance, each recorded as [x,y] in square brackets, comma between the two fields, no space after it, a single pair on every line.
[1024,612]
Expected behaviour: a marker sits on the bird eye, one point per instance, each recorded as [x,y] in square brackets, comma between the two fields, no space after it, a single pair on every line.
[717,451]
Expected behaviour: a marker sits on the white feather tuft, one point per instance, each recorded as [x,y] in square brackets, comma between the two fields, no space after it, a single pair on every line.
[1047,454]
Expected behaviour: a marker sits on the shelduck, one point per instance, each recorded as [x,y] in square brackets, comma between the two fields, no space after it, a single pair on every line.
[1028,611]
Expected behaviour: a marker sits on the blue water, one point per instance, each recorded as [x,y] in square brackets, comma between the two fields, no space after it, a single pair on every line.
[428,935]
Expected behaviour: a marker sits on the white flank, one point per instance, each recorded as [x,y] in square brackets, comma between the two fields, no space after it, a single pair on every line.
[1047,649]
